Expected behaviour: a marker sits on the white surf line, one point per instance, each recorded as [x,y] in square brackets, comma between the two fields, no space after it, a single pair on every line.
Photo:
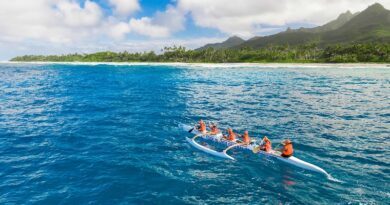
[216,65]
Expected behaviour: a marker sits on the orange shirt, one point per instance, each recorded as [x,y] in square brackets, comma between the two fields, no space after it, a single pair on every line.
[246,138]
[288,150]
[202,127]
[267,146]
[232,136]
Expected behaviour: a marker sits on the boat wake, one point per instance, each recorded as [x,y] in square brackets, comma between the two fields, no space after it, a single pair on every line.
[330,178]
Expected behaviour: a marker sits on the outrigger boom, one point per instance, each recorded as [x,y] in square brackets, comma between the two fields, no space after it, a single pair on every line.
[219,139]
[206,149]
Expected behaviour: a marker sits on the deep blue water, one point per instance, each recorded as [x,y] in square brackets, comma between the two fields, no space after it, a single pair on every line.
[103,134]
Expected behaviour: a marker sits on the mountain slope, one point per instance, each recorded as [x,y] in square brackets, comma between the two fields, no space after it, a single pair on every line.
[373,24]
[370,25]
[284,38]
[229,43]
[335,24]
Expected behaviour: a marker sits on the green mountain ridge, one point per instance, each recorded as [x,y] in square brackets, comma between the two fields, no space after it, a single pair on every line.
[370,25]
[373,24]
[335,24]
[229,43]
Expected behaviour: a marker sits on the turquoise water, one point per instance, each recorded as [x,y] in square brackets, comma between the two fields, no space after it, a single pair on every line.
[105,134]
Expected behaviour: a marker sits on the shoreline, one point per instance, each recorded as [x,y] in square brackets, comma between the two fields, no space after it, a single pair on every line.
[213,65]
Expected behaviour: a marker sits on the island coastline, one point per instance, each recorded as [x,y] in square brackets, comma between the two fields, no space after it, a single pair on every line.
[212,65]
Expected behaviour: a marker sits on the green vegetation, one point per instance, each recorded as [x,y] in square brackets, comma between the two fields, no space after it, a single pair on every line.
[369,26]
[308,53]
[229,43]
[359,37]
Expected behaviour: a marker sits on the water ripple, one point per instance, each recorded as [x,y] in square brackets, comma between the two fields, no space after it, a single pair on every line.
[79,134]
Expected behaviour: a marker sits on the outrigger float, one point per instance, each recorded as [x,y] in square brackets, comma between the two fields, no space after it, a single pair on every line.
[218,138]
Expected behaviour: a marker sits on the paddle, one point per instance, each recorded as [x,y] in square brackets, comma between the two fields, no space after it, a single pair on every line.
[258,148]
[195,127]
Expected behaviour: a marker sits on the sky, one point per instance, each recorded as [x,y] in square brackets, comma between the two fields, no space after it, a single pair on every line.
[86,26]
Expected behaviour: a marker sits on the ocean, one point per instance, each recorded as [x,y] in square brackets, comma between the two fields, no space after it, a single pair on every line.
[108,133]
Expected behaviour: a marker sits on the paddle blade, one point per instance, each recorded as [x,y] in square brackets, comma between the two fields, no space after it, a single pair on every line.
[256,150]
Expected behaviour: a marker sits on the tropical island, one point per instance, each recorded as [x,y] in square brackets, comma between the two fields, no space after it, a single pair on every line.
[351,38]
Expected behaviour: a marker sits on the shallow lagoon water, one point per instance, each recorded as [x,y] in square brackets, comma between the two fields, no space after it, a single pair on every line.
[104,134]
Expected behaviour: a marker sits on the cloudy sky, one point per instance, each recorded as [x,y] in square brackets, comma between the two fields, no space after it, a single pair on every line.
[84,26]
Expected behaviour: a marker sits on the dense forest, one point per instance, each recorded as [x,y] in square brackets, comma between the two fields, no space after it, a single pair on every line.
[308,53]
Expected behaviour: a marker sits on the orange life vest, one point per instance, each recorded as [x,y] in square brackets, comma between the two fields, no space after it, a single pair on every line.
[246,138]
[288,150]
[231,136]
[202,127]
[267,146]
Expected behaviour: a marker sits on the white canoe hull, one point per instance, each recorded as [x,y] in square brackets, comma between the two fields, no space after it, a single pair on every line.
[218,138]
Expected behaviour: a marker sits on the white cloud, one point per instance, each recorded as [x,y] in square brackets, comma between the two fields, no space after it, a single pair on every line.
[125,7]
[75,16]
[118,30]
[171,18]
[144,26]
[242,17]
[161,25]
[47,20]
[74,23]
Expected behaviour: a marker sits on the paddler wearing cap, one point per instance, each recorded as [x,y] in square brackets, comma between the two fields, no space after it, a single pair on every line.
[265,146]
[287,149]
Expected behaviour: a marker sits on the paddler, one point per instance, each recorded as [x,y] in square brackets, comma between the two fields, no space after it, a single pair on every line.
[266,145]
[202,127]
[287,149]
[231,135]
[245,137]
[214,129]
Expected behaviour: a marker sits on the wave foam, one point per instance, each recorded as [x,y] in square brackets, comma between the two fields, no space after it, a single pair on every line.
[217,65]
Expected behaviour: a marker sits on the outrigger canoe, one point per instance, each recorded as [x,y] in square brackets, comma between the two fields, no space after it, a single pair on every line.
[218,138]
